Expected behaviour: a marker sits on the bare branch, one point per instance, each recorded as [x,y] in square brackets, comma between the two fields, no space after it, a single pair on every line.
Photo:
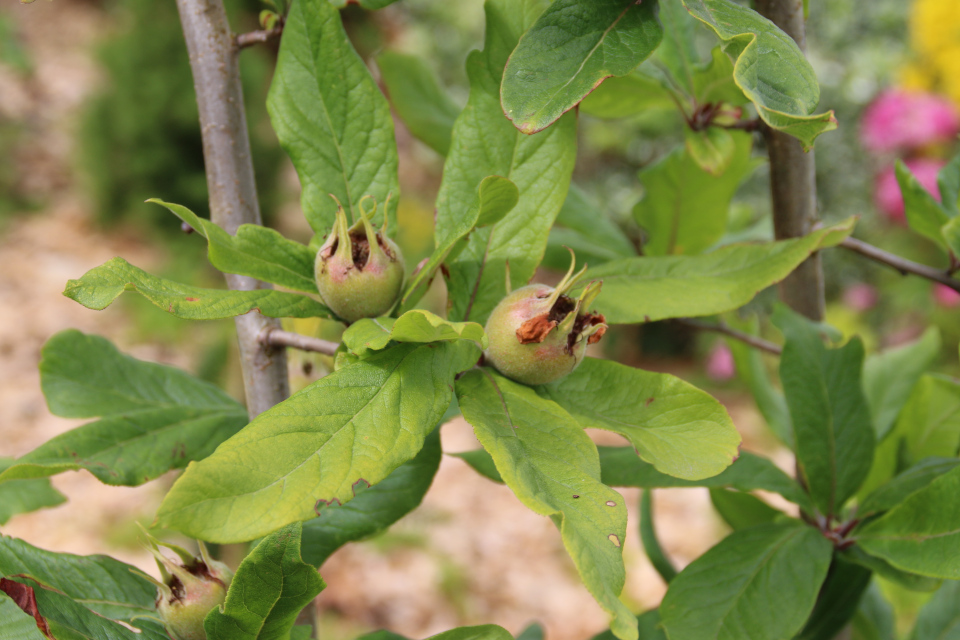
[736,334]
[230,181]
[281,338]
[251,38]
[902,265]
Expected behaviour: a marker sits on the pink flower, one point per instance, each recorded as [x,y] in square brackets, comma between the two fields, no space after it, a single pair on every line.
[904,120]
[887,194]
[720,365]
[945,296]
[860,297]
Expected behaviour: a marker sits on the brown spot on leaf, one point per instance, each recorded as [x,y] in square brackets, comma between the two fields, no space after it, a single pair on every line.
[575,496]
[614,539]
[192,299]
[24,597]
[611,503]
[648,402]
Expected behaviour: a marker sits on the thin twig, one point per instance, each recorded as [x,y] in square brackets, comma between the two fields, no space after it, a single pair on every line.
[280,338]
[251,38]
[736,334]
[902,265]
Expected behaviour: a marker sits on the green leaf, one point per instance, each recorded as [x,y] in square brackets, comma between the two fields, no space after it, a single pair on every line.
[874,617]
[653,288]
[584,227]
[533,632]
[757,583]
[769,68]
[648,626]
[681,430]
[104,585]
[331,118]
[888,572]
[338,436]
[684,208]
[102,285]
[742,510]
[154,418]
[418,325]
[651,545]
[929,423]
[255,251]
[924,214]
[366,4]
[715,83]
[523,432]
[482,632]
[382,635]
[629,95]
[424,107]
[486,143]
[888,378]
[496,197]
[832,428]
[837,602]
[921,534]
[373,510]
[940,617]
[24,496]
[571,48]
[677,57]
[904,484]
[712,149]
[622,468]
[753,373]
[271,586]
[951,235]
[948,182]
[15,623]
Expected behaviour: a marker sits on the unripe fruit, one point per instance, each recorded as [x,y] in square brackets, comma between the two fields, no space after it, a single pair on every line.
[359,271]
[189,591]
[538,334]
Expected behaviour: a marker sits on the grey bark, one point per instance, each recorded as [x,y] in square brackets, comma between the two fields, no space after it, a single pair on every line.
[793,181]
[230,181]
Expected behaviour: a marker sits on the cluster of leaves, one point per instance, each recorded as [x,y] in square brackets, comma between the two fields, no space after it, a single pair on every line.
[353,452]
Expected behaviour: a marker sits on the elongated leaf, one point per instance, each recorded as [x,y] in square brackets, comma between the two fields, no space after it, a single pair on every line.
[340,435]
[885,570]
[330,117]
[677,57]
[271,586]
[913,479]
[920,534]
[874,617]
[681,430]
[930,421]
[684,208]
[481,462]
[523,432]
[838,600]
[651,544]
[24,496]
[831,421]
[570,49]
[757,583]
[742,510]
[648,289]
[712,150]
[622,468]
[940,617]
[584,227]
[482,632]
[496,197]
[373,510]
[769,67]
[155,418]
[415,93]
[648,626]
[255,251]
[948,183]
[486,143]
[102,285]
[629,95]
[15,623]
[924,214]
[417,325]
[888,378]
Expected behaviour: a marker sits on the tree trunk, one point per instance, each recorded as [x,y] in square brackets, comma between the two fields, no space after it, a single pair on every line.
[230,181]
[793,181]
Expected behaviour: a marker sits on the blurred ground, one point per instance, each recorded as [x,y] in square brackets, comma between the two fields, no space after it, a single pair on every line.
[470,554]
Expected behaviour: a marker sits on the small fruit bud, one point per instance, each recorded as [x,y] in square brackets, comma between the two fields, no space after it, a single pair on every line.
[538,334]
[189,591]
[359,270]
